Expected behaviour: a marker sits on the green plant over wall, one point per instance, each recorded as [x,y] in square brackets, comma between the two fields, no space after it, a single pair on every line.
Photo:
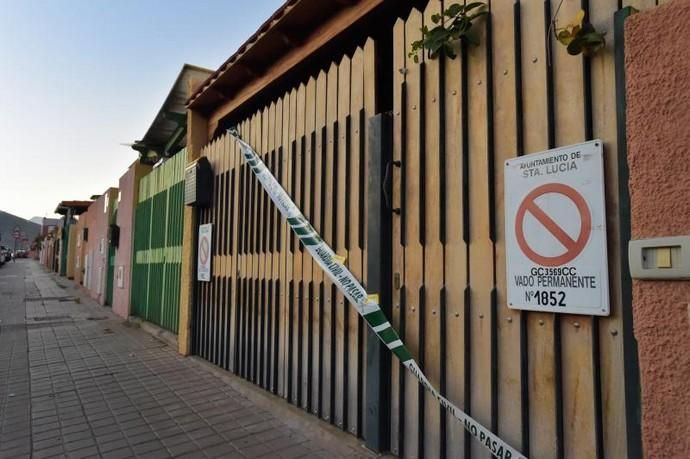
[457,26]
[580,37]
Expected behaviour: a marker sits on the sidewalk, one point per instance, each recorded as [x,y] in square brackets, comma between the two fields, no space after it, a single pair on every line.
[75,381]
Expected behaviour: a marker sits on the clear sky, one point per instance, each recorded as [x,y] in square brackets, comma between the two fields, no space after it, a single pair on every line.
[79,77]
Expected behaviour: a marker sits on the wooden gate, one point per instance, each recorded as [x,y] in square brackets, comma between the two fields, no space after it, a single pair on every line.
[550,385]
[268,313]
[158,244]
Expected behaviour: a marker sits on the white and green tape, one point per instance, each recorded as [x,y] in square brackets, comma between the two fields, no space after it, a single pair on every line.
[367,305]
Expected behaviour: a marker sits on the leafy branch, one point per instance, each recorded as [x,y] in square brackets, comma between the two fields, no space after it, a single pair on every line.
[580,37]
[457,26]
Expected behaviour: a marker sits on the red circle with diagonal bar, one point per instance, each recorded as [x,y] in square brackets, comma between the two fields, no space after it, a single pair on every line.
[204,250]
[573,247]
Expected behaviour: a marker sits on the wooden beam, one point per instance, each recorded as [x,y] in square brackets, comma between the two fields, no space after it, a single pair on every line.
[288,38]
[321,36]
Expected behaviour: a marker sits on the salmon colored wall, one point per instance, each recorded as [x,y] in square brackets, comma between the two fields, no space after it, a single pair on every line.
[658,97]
[100,217]
[71,251]
[129,191]
[81,248]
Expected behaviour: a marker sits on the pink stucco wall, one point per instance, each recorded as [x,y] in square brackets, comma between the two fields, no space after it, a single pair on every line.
[80,248]
[100,217]
[129,190]
[658,96]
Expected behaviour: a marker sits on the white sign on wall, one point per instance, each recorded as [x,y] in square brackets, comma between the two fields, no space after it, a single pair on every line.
[204,253]
[120,277]
[555,219]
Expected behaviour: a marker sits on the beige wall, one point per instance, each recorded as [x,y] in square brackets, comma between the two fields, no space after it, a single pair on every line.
[658,97]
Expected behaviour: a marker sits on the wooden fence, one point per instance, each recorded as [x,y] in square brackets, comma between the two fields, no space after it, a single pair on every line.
[158,244]
[549,384]
[269,314]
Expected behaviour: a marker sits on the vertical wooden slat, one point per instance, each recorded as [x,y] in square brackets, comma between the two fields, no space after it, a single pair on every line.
[256,255]
[215,210]
[249,258]
[342,313]
[272,263]
[220,267]
[233,271]
[320,197]
[540,326]
[576,331]
[505,136]
[285,262]
[299,291]
[455,251]
[306,204]
[397,370]
[227,260]
[371,79]
[245,264]
[238,270]
[413,277]
[433,247]
[328,235]
[263,257]
[355,245]
[480,247]
[290,292]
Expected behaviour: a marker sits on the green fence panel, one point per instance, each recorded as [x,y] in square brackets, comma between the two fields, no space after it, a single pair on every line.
[158,244]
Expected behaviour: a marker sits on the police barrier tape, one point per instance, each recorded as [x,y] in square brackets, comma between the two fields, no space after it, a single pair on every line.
[367,305]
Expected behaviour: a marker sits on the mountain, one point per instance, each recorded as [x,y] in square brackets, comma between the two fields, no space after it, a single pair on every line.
[37,220]
[9,222]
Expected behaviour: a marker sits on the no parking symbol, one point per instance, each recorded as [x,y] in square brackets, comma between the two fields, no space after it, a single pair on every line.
[204,253]
[556,257]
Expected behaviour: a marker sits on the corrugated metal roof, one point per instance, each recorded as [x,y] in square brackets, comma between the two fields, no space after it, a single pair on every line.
[164,125]
[79,207]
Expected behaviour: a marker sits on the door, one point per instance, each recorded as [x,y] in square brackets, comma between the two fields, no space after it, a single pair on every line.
[269,314]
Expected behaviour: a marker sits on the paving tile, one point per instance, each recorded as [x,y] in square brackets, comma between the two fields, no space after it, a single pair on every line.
[84,393]
[211,440]
[91,451]
[46,434]
[144,448]
[79,444]
[141,437]
[255,451]
[56,441]
[222,451]
[15,453]
[183,448]
[48,453]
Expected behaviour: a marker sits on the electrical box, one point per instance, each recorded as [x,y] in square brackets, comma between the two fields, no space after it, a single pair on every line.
[663,258]
[198,183]
[114,235]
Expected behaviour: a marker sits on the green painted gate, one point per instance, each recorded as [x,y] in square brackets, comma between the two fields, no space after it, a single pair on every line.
[111,268]
[158,244]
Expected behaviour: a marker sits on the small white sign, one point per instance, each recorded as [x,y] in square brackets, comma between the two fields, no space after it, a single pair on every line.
[120,276]
[204,253]
[555,217]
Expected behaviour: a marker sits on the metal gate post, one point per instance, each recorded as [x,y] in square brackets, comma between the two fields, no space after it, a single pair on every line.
[630,355]
[379,251]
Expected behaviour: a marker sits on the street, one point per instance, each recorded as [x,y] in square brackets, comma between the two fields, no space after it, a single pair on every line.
[75,381]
